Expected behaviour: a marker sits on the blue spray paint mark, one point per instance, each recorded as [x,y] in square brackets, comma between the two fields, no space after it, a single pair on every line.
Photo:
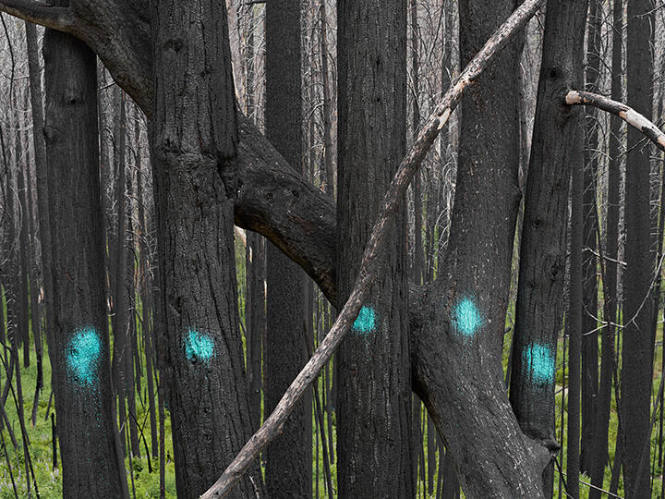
[366,321]
[199,347]
[82,355]
[539,362]
[466,317]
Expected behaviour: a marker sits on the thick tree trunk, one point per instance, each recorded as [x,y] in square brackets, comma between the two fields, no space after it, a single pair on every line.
[539,309]
[638,333]
[80,347]
[512,466]
[288,458]
[194,140]
[468,304]
[374,396]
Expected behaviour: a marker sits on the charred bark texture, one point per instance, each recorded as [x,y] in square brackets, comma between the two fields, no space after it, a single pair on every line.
[289,458]
[540,306]
[638,333]
[194,140]
[373,366]
[601,425]
[80,347]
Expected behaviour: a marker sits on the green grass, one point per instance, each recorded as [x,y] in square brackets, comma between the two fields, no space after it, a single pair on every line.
[146,484]
[49,479]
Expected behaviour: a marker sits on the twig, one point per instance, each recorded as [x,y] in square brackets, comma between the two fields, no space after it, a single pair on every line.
[408,167]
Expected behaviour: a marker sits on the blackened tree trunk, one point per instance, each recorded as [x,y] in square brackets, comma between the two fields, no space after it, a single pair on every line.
[374,395]
[22,289]
[255,320]
[255,261]
[80,347]
[574,319]
[601,425]
[120,322]
[194,139]
[147,319]
[539,308]
[589,263]
[638,334]
[289,458]
[34,273]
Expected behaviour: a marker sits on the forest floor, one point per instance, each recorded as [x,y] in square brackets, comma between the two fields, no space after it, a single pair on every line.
[145,484]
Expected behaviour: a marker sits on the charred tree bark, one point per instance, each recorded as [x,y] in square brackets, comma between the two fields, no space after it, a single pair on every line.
[470,416]
[121,315]
[80,346]
[288,458]
[539,309]
[589,347]
[574,319]
[611,305]
[194,141]
[373,367]
[638,333]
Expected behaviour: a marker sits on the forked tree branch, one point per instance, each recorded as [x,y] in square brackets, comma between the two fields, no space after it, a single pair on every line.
[626,113]
[408,167]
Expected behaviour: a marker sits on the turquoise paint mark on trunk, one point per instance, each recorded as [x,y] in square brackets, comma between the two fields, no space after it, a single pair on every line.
[199,347]
[466,317]
[539,363]
[82,356]
[366,321]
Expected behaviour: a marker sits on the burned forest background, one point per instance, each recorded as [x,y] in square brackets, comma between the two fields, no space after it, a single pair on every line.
[606,416]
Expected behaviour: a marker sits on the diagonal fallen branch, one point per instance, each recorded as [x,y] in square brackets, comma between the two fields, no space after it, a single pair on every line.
[409,165]
[626,113]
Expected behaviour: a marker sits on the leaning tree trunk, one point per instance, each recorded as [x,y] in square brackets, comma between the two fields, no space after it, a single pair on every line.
[539,309]
[373,367]
[638,333]
[79,347]
[194,139]
[458,361]
[289,458]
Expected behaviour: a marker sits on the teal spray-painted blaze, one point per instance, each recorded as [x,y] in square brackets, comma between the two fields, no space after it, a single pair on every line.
[467,317]
[82,355]
[366,320]
[539,362]
[199,347]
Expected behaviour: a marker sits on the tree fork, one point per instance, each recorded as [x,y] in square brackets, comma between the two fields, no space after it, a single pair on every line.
[409,165]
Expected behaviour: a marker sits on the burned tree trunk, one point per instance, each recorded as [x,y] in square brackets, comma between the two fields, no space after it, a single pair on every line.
[373,367]
[638,333]
[539,309]
[194,141]
[289,458]
[80,346]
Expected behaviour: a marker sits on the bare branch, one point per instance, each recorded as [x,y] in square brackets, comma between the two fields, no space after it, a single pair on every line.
[626,113]
[60,18]
[368,271]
